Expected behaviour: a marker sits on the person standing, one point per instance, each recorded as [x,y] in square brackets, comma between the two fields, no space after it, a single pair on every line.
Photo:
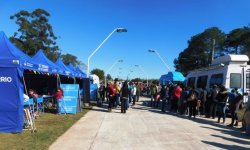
[214,102]
[59,96]
[235,99]
[117,95]
[124,96]
[177,95]
[204,101]
[153,93]
[133,93]
[138,92]
[192,102]
[183,101]
[111,91]
[163,95]
[222,100]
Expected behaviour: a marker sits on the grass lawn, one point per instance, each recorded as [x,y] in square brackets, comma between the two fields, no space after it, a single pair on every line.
[49,128]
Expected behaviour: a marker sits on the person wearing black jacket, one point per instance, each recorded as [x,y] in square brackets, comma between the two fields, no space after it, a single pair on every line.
[124,96]
[222,100]
[163,96]
[213,102]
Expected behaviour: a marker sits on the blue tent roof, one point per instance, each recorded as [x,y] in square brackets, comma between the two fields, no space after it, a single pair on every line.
[46,64]
[84,75]
[66,70]
[11,55]
[172,76]
[73,69]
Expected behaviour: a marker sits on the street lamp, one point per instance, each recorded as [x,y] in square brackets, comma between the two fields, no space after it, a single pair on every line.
[117,61]
[142,71]
[119,30]
[154,51]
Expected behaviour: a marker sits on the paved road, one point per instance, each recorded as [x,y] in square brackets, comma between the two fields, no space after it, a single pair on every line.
[144,128]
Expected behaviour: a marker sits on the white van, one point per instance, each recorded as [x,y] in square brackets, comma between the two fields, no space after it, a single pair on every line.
[231,71]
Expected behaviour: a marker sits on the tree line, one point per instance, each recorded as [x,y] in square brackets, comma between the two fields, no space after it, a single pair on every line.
[35,33]
[212,42]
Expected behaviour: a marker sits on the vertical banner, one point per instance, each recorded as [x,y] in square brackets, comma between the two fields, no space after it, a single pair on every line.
[70,98]
[93,91]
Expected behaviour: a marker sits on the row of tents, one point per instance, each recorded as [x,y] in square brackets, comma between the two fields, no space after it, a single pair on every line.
[13,63]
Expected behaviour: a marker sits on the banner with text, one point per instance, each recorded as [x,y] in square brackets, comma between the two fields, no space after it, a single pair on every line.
[70,99]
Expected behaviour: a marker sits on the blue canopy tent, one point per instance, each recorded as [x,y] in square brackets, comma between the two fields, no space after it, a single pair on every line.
[84,75]
[73,69]
[44,62]
[172,77]
[67,71]
[12,64]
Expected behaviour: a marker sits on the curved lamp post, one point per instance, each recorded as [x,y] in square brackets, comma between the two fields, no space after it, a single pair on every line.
[140,67]
[117,61]
[119,30]
[154,51]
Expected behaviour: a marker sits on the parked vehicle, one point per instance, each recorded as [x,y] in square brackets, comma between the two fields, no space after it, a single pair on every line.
[231,71]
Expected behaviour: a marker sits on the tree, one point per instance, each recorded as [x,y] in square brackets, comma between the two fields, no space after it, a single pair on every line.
[236,40]
[199,51]
[35,33]
[68,58]
[99,73]
[136,80]
[109,77]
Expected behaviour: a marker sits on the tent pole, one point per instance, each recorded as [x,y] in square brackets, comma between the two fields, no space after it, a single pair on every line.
[59,80]
[25,85]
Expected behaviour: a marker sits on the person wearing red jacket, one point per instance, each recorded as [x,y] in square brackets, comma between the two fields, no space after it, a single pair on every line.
[112,92]
[176,98]
[59,96]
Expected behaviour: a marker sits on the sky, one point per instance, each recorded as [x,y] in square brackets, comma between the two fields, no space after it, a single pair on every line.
[162,25]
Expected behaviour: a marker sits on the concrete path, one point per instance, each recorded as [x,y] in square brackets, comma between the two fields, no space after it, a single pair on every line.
[144,128]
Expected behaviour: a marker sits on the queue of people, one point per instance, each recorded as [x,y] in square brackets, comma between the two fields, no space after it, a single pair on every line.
[120,94]
[192,102]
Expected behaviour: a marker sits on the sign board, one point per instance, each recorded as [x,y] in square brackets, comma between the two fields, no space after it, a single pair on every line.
[70,99]
[93,91]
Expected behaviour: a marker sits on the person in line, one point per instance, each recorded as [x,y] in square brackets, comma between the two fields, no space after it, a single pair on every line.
[214,102]
[138,92]
[203,101]
[177,95]
[235,99]
[59,96]
[102,93]
[192,102]
[124,96]
[133,93]
[117,94]
[112,92]
[153,92]
[183,101]
[222,100]
[163,95]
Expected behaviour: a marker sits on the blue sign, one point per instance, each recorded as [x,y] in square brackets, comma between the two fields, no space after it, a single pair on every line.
[70,99]
[93,91]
